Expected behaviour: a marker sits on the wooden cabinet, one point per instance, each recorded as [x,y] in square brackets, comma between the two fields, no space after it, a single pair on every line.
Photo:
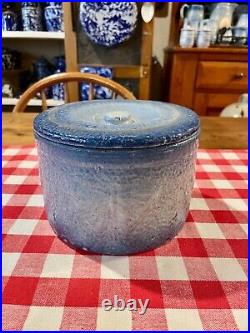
[205,80]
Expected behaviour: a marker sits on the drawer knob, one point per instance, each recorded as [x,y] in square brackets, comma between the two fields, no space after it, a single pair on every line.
[239,76]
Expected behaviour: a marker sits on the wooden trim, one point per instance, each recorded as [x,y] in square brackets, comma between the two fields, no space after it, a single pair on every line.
[44,101]
[161,9]
[146,59]
[70,51]
[214,50]
[175,24]
[120,71]
[128,72]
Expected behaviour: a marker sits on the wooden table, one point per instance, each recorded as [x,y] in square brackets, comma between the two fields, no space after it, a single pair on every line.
[216,132]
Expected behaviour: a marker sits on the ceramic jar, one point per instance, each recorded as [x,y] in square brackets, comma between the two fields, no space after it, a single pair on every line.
[29,4]
[100,92]
[204,38]
[41,69]
[9,19]
[237,110]
[84,87]
[187,37]
[53,15]
[58,92]
[10,59]
[56,4]
[32,17]
[117,176]
[204,34]
[7,89]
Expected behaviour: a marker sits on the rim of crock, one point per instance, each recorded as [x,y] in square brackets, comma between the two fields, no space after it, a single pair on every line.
[184,128]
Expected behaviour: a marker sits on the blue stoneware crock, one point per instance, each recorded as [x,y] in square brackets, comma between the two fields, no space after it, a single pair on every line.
[32,17]
[41,69]
[9,19]
[58,89]
[54,18]
[100,92]
[117,175]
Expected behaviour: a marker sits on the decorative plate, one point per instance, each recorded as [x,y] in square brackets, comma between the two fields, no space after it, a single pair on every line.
[108,23]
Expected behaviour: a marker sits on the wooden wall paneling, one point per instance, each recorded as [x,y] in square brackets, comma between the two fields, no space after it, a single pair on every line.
[72,91]
[175,24]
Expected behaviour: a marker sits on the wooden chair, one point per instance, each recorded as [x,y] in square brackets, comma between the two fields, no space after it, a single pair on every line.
[51,80]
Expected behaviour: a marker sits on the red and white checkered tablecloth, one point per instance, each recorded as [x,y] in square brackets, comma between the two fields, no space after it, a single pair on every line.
[198,281]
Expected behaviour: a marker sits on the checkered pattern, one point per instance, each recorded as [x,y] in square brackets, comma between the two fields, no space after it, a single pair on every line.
[198,281]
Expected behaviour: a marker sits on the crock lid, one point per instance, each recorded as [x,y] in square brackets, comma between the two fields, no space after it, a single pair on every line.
[117,124]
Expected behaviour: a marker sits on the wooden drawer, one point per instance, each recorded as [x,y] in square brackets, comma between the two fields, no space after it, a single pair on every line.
[222,75]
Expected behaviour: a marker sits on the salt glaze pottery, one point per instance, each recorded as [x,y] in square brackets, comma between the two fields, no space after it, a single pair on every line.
[58,92]
[9,19]
[117,175]
[54,18]
[108,23]
[100,92]
[32,17]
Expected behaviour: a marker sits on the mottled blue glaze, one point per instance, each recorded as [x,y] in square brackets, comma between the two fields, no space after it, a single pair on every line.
[118,124]
[32,18]
[100,92]
[29,4]
[108,23]
[118,199]
[54,18]
[57,3]
[9,19]
[58,92]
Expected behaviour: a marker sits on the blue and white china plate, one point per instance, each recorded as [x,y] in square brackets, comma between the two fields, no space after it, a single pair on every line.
[108,23]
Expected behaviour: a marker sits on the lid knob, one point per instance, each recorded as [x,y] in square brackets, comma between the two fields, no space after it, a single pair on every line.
[118,117]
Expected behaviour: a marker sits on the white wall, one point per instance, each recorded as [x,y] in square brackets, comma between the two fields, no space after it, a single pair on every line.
[161,35]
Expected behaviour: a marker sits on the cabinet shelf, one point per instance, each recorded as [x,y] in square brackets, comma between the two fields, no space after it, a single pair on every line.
[32,102]
[33,34]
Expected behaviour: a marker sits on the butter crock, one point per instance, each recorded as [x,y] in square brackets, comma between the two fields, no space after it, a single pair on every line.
[117,176]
